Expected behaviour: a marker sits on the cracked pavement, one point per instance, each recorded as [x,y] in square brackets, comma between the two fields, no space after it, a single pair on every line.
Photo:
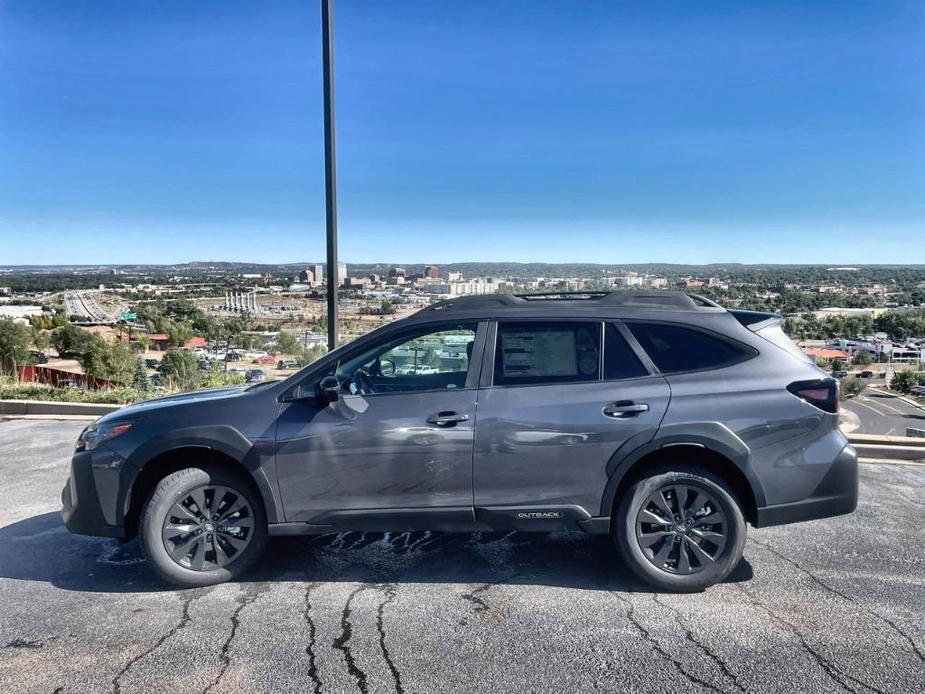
[828,606]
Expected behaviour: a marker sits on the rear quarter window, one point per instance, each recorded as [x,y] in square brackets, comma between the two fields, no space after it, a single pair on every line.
[674,348]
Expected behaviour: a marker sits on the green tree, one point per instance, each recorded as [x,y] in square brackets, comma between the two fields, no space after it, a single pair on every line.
[71,340]
[110,361]
[863,357]
[180,370]
[215,377]
[287,343]
[837,365]
[41,339]
[178,333]
[140,380]
[310,354]
[14,346]
[903,381]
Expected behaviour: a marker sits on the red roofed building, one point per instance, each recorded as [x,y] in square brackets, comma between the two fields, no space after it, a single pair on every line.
[196,342]
[827,354]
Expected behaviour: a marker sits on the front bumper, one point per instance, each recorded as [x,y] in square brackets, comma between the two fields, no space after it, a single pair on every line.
[90,498]
[835,495]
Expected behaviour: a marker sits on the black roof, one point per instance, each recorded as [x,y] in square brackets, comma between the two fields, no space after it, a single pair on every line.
[664,300]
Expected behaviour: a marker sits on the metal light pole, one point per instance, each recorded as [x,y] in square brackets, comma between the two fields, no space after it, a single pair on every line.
[330,196]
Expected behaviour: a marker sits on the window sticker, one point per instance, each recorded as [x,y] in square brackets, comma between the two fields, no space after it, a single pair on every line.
[548,353]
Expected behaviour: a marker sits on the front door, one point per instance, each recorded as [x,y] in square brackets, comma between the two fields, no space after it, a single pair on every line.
[396,448]
[563,397]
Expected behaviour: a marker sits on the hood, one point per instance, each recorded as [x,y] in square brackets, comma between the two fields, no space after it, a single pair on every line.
[146,406]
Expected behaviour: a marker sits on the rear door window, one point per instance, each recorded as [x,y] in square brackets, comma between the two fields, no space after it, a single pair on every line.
[547,352]
[673,348]
[620,361]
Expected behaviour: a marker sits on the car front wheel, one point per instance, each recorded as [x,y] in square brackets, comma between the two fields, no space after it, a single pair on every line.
[203,525]
[680,529]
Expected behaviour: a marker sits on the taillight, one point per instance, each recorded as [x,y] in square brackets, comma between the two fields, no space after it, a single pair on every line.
[821,393]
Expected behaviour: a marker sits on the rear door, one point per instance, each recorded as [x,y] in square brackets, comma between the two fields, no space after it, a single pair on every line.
[558,399]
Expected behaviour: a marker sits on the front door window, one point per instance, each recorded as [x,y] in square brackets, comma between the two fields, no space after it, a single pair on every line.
[432,358]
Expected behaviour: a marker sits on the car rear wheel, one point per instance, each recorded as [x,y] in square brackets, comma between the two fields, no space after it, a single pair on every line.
[680,529]
[202,526]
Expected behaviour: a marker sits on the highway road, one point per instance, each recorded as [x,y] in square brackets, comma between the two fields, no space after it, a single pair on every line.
[82,303]
[881,413]
[829,606]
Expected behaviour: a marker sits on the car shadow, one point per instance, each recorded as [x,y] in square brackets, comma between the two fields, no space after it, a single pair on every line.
[40,548]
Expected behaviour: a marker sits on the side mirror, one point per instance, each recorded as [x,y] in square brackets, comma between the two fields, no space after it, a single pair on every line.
[328,388]
[386,367]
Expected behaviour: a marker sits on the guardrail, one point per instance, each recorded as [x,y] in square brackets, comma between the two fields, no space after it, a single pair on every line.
[907,448]
[14,408]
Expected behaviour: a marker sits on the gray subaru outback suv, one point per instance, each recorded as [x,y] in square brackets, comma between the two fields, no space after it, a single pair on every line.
[659,418]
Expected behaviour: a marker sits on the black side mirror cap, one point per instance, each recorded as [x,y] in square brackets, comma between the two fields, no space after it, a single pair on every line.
[329,388]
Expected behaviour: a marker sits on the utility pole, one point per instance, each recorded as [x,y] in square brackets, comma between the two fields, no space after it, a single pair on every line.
[330,195]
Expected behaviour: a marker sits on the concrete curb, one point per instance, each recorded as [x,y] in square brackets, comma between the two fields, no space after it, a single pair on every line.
[48,407]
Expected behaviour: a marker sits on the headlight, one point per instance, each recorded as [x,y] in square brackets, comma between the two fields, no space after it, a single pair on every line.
[97,434]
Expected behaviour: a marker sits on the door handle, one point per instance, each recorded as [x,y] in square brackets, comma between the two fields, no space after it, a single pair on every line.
[447,419]
[625,408]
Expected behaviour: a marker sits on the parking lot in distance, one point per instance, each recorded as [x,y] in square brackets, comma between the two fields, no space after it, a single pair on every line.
[827,606]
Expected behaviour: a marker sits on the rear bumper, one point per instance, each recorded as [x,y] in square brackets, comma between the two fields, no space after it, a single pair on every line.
[82,509]
[835,495]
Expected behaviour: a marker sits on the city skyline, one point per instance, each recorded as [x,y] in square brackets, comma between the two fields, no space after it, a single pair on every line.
[470,132]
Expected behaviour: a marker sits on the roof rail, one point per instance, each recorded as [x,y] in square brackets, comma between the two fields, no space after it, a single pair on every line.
[656,299]
[474,301]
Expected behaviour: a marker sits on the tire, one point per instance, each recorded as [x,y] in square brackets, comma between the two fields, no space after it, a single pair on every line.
[719,544]
[230,545]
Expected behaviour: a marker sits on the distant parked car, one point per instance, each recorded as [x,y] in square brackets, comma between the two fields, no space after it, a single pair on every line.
[253,375]
[39,357]
[287,364]
[841,373]
[267,359]
[866,374]
[71,383]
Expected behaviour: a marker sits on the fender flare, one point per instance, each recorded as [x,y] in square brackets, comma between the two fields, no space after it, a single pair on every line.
[711,436]
[252,456]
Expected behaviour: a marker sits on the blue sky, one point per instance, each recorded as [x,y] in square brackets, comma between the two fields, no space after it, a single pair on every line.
[585,131]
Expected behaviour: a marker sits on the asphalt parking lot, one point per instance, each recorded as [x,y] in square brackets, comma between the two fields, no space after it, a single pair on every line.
[881,413]
[830,606]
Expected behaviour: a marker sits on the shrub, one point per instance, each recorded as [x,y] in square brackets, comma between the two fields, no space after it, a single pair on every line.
[853,386]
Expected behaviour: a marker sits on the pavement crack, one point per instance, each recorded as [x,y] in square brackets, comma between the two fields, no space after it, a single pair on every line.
[24,643]
[835,591]
[340,643]
[310,648]
[389,592]
[473,596]
[842,678]
[710,653]
[657,647]
[243,600]
[181,624]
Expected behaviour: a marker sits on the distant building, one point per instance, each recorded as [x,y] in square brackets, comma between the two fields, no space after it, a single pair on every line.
[20,314]
[341,274]
[397,272]
[454,277]
[317,272]
[431,272]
